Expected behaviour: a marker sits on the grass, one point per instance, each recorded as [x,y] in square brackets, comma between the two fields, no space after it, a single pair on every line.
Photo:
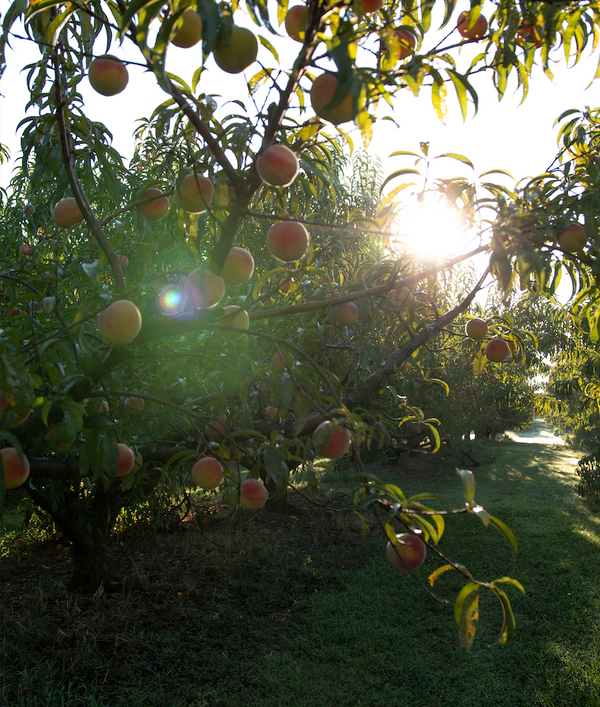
[302,610]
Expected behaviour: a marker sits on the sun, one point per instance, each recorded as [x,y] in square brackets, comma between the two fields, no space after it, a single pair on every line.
[431,229]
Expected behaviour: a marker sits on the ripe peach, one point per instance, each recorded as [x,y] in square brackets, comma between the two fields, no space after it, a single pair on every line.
[278,166]
[295,22]
[207,473]
[157,208]
[346,314]
[126,460]
[194,193]
[15,472]
[476,329]
[19,543]
[234,316]
[120,323]
[132,403]
[331,440]
[573,239]
[288,240]
[402,296]
[407,42]
[188,29]
[108,75]
[409,554]
[238,53]
[463,395]
[123,261]
[29,209]
[371,5]
[281,361]
[67,213]
[253,494]
[476,31]
[321,95]
[204,289]
[271,412]
[25,249]
[238,267]
[496,350]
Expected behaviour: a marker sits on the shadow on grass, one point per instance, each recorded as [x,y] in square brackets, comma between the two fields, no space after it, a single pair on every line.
[302,610]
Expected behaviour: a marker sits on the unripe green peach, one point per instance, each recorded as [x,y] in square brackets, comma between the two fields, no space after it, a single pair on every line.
[120,323]
[238,53]
[188,29]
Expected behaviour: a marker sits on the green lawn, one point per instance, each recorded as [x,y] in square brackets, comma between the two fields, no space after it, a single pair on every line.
[302,610]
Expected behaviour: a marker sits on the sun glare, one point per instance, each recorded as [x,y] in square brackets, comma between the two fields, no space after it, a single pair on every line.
[431,229]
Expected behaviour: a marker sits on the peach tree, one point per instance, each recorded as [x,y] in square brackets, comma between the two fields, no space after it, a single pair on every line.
[146,325]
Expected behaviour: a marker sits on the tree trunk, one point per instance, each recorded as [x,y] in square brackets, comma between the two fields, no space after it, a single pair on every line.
[89,566]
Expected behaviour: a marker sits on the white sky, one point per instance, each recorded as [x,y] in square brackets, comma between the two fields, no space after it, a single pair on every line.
[520,139]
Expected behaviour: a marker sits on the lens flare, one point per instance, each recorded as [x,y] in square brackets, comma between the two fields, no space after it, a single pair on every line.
[171,300]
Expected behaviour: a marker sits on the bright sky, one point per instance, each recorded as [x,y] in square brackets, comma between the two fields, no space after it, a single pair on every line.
[520,139]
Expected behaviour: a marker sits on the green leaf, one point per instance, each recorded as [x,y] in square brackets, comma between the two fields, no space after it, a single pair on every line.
[434,576]
[509,580]
[508,621]
[462,87]
[468,615]
[468,481]
[456,156]
[507,532]
[396,174]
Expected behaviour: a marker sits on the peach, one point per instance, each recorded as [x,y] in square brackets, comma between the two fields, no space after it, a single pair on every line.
[218,428]
[278,166]
[407,42]
[331,440]
[281,361]
[408,555]
[29,209]
[321,95]
[476,329]
[478,29]
[288,240]
[120,323]
[271,412]
[19,543]
[188,29]
[157,208]
[15,471]
[123,261]
[346,314]
[371,5]
[402,296]
[253,494]
[67,213]
[295,22]
[234,316]
[194,193]
[573,239]
[238,53]
[207,473]
[25,249]
[204,289]
[126,460]
[132,403]
[496,350]
[238,267]
[108,75]
[60,443]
